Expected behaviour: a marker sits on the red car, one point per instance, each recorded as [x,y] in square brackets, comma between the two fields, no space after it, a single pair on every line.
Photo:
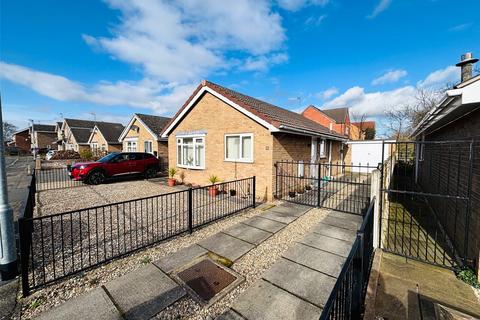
[115,164]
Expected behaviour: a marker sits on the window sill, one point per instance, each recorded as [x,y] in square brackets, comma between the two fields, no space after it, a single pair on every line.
[190,167]
[238,161]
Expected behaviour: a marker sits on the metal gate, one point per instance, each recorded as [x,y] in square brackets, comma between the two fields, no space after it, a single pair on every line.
[425,207]
[335,186]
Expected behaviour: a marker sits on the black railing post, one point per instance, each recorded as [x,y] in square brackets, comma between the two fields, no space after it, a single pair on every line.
[190,210]
[24,250]
[318,185]
[276,180]
[254,190]
[358,278]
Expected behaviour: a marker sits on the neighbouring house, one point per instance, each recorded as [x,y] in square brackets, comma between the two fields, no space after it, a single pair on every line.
[360,130]
[21,140]
[42,137]
[75,133]
[59,139]
[450,135]
[222,132]
[104,137]
[143,133]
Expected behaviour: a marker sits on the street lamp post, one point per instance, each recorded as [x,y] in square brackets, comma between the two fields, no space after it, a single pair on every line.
[8,251]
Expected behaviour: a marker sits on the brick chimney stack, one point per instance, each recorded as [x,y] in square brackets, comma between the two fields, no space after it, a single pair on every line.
[466,65]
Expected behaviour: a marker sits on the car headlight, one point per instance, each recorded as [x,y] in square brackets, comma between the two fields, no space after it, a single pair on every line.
[82,167]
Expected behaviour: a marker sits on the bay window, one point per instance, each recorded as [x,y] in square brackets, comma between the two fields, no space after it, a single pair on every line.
[191,152]
[239,147]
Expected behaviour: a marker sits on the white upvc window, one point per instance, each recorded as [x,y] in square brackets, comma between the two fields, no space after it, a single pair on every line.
[191,152]
[322,148]
[94,146]
[239,147]
[131,146]
[148,146]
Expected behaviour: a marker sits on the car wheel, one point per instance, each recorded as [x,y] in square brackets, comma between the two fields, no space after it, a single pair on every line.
[150,173]
[96,177]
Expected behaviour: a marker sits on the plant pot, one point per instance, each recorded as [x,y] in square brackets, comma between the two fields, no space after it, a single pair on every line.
[291,194]
[213,191]
[308,188]
[300,191]
[233,193]
[171,182]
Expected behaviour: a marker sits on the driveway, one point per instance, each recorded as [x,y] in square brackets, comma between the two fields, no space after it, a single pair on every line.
[18,181]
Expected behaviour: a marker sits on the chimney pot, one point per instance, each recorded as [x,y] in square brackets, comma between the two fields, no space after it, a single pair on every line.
[466,64]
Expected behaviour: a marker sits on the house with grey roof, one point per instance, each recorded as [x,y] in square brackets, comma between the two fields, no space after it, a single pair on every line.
[143,133]
[42,137]
[104,137]
[225,133]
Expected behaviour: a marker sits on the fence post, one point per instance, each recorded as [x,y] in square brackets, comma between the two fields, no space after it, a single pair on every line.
[358,277]
[190,210]
[254,190]
[318,185]
[375,195]
[24,249]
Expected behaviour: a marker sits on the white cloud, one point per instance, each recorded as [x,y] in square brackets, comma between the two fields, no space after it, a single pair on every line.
[162,98]
[182,41]
[442,77]
[380,7]
[314,20]
[262,63]
[373,103]
[327,94]
[389,77]
[461,27]
[294,5]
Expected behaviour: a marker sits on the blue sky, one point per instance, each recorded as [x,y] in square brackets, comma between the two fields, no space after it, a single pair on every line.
[113,58]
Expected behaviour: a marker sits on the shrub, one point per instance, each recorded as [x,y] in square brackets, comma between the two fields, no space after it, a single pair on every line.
[468,276]
[65,155]
[86,154]
[213,179]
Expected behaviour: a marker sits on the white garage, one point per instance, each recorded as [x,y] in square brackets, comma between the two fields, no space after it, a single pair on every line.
[367,152]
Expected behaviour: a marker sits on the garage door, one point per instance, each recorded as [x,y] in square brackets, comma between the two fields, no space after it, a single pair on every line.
[367,153]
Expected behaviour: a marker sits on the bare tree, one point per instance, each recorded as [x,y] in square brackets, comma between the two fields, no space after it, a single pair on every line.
[8,130]
[359,120]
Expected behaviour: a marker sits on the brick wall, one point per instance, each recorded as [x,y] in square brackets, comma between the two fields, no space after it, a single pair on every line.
[450,174]
[99,139]
[45,139]
[216,118]
[22,141]
[160,148]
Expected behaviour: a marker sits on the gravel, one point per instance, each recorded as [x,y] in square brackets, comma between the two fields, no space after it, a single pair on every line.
[251,266]
[57,293]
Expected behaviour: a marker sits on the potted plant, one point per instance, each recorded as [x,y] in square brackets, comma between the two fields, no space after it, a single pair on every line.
[171,174]
[300,190]
[291,193]
[233,192]
[213,189]
[308,187]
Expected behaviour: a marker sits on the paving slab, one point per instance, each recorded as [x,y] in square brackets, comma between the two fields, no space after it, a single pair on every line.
[291,209]
[319,260]
[8,298]
[226,246]
[248,233]
[311,285]
[343,215]
[230,315]
[341,223]
[335,232]
[264,301]
[143,293]
[328,244]
[279,216]
[180,258]
[93,305]
[265,224]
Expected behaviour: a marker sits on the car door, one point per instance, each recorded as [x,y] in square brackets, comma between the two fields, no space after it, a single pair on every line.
[135,162]
[118,165]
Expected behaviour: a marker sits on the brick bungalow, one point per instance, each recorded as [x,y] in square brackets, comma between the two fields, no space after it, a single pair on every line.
[456,118]
[21,140]
[42,137]
[143,133]
[104,137]
[222,132]
[337,120]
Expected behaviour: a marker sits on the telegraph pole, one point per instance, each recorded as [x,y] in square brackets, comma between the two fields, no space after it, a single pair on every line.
[8,251]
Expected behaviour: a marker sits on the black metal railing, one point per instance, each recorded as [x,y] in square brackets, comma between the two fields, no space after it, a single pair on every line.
[330,185]
[347,297]
[56,246]
[54,178]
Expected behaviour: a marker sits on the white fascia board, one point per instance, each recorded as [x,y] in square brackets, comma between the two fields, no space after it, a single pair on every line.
[95,129]
[127,128]
[224,99]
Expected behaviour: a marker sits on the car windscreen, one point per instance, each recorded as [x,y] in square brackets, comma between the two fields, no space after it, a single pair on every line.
[108,157]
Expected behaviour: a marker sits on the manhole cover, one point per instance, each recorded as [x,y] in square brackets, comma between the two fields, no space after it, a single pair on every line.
[206,279]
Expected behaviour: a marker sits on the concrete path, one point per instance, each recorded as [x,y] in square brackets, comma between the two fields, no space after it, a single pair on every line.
[145,292]
[299,284]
